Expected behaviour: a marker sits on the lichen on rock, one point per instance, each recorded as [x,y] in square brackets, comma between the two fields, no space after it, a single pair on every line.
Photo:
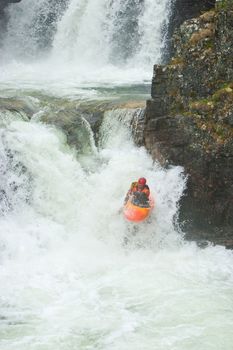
[189,120]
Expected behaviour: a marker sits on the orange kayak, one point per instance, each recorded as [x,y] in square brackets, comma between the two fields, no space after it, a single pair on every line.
[137,214]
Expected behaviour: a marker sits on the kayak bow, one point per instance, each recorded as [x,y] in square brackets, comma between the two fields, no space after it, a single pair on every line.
[135,213]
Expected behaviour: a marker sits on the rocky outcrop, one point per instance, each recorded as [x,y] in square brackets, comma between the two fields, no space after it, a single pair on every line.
[81,124]
[181,11]
[17,105]
[189,120]
[187,9]
[79,120]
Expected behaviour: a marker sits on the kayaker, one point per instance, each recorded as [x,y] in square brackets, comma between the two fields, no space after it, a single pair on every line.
[139,192]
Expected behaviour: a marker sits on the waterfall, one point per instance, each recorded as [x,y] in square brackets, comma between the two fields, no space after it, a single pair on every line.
[124,121]
[74,274]
[68,280]
[117,32]
[92,40]
[31,28]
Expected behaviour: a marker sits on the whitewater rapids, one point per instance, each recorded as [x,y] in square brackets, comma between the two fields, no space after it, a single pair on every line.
[68,281]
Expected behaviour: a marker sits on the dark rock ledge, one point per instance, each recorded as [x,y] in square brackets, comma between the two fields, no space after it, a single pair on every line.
[189,121]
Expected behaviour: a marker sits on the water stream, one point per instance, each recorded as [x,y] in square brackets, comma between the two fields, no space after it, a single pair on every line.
[68,278]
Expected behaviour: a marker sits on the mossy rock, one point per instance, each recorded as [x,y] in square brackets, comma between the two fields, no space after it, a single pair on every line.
[224,95]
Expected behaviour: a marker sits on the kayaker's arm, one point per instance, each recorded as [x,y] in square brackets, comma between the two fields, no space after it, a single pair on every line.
[127,197]
[129,193]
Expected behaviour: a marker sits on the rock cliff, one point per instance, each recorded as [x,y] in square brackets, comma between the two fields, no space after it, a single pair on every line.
[186,9]
[183,10]
[189,120]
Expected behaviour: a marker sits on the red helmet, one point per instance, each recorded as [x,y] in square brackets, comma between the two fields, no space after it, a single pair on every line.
[142,181]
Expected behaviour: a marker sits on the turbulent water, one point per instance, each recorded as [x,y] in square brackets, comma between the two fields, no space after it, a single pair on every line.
[68,278]
[73,273]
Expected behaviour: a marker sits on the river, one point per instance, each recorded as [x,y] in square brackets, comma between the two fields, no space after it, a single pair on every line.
[69,278]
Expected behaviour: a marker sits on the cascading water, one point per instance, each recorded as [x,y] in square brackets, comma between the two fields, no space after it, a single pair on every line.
[31,28]
[69,278]
[108,32]
[101,41]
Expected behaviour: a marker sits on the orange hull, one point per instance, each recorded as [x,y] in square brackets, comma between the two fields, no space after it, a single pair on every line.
[137,214]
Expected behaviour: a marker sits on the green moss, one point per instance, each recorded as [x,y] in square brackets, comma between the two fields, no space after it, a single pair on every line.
[202,106]
[208,44]
[224,4]
[225,94]
[188,114]
[218,132]
[225,84]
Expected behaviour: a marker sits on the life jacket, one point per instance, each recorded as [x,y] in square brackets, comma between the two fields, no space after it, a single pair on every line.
[134,188]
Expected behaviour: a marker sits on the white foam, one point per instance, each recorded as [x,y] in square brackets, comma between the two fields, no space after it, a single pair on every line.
[67,280]
[91,44]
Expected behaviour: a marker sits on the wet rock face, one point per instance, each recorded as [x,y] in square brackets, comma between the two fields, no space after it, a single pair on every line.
[186,9]
[189,119]
[183,10]
[76,125]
